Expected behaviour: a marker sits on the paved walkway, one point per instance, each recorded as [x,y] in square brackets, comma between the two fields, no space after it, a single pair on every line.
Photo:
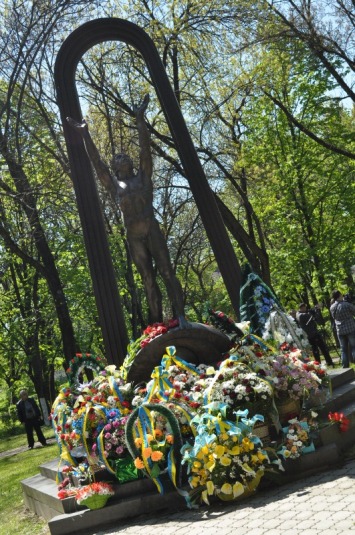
[20,449]
[323,504]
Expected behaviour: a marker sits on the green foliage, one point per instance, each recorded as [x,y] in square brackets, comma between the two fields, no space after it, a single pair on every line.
[14,519]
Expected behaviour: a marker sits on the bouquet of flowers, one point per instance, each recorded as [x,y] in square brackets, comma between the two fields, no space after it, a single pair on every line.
[154,454]
[291,379]
[237,386]
[297,440]
[95,495]
[228,464]
[112,443]
[340,419]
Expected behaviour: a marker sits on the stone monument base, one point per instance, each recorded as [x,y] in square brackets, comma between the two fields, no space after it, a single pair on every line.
[198,344]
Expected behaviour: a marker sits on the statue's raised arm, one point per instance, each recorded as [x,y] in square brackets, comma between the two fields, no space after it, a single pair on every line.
[145,159]
[102,170]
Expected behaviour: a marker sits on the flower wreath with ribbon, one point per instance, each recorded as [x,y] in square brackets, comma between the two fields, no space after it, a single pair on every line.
[150,449]
[79,363]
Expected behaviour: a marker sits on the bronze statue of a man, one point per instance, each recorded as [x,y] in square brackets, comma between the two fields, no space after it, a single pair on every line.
[134,194]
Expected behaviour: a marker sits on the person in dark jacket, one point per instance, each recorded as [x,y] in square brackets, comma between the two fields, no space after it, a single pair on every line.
[307,321]
[29,414]
[343,314]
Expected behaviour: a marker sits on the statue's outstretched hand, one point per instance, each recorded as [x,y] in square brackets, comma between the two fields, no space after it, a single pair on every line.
[81,127]
[139,109]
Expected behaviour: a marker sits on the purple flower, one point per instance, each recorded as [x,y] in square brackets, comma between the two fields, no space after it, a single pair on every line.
[107,436]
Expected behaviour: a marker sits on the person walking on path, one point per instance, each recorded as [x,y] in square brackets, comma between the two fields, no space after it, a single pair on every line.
[29,414]
[307,321]
[343,314]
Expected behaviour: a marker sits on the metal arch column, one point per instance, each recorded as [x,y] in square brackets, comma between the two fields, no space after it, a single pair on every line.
[100,262]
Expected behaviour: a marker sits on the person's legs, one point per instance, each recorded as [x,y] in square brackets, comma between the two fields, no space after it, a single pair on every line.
[343,340]
[29,432]
[351,341]
[40,435]
[315,350]
[324,349]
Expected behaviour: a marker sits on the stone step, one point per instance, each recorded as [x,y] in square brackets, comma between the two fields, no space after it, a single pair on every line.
[40,495]
[340,376]
[50,469]
[87,521]
[342,396]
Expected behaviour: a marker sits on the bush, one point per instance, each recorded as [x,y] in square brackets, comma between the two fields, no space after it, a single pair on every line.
[8,417]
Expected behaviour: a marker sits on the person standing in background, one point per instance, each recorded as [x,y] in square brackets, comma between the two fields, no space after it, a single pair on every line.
[343,313]
[307,321]
[29,414]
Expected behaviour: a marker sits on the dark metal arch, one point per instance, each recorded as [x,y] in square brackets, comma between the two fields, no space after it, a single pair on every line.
[105,286]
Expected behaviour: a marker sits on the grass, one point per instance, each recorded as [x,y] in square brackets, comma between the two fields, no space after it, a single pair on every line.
[15,518]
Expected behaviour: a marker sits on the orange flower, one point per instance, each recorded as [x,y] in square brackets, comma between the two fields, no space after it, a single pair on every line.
[138,463]
[158,433]
[170,439]
[138,442]
[156,455]
[147,452]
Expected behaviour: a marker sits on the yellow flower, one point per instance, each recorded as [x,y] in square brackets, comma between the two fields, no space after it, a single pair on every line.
[138,442]
[200,455]
[234,451]
[223,436]
[196,464]
[225,461]
[210,465]
[255,459]
[210,488]
[247,468]
[238,489]
[286,453]
[219,451]
[205,450]
[147,452]
[261,456]
[247,444]
[138,463]
[210,370]
[194,482]
[149,438]
[156,455]
[227,488]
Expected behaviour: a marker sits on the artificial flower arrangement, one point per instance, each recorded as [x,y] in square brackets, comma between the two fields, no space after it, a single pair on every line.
[239,387]
[296,440]
[154,441]
[281,328]
[290,379]
[341,420]
[110,420]
[225,324]
[79,363]
[94,495]
[151,332]
[226,459]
